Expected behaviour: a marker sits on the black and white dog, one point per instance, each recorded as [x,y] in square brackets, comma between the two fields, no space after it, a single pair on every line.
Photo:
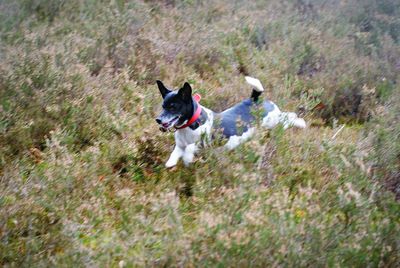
[193,122]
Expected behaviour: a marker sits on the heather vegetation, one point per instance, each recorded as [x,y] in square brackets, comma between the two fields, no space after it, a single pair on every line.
[82,176]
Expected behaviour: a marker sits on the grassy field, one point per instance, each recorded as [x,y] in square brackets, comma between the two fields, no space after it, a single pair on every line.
[82,177]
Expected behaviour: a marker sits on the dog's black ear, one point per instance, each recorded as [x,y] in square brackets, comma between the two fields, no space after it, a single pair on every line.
[163,90]
[186,92]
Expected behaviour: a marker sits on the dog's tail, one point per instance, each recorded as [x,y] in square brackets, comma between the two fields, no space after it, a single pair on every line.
[257,87]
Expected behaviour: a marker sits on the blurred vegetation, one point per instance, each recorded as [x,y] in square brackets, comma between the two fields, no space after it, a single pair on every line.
[81,161]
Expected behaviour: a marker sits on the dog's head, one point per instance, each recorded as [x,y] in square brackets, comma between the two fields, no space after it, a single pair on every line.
[177,106]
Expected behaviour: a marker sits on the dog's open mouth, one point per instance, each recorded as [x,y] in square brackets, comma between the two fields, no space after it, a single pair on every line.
[170,123]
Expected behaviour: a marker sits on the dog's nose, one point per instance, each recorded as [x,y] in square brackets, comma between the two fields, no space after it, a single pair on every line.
[158,120]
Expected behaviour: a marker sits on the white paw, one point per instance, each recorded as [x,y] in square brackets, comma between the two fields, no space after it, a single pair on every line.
[187,163]
[170,163]
[300,123]
[188,158]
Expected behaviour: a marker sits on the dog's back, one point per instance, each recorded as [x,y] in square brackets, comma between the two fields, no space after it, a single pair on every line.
[239,118]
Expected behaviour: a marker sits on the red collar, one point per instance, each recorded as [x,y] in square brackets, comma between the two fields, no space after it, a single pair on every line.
[196,115]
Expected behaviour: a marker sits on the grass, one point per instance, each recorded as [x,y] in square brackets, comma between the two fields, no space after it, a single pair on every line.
[82,171]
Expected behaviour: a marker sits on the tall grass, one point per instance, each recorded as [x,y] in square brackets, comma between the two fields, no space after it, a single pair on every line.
[82,161]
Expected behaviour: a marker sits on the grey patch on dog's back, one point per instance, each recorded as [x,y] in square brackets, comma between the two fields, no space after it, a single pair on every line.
[237,120]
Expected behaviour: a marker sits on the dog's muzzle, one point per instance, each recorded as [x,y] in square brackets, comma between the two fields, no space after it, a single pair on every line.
[165,126]
[162,129]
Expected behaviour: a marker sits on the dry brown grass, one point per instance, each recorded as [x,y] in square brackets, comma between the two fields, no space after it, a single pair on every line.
[81,161]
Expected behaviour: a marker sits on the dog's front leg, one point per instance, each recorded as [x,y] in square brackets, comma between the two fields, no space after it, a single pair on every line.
[188,155]
[174,157]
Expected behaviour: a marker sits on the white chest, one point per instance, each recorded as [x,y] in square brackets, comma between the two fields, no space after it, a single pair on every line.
[187,136]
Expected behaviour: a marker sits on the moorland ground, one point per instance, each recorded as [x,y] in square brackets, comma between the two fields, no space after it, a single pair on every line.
[82,171]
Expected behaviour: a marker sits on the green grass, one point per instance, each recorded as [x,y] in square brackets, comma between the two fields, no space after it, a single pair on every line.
[82,171]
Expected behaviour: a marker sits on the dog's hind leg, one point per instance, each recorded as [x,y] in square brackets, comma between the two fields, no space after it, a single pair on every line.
[174,157]
[291,119]
[235,141]
[272,119]
[287,119]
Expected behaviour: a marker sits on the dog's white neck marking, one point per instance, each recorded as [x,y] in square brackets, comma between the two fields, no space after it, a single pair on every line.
[186,139]
[187,136]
